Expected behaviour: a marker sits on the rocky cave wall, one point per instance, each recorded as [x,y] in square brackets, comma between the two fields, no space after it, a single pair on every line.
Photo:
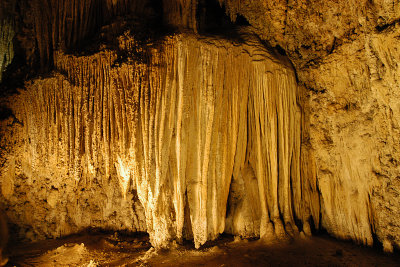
[345,54]
[344,174]
[153,145]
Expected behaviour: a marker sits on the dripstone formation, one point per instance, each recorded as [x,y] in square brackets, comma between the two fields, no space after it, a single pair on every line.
[274,129]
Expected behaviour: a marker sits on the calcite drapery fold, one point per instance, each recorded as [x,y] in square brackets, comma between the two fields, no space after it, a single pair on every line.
[175,127]
[348,177]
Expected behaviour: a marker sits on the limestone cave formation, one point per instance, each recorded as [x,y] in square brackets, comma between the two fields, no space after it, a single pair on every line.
[181,122]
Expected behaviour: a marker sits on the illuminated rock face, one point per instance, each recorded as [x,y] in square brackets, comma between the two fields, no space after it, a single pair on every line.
[195,135]
[346,56]
[174,131]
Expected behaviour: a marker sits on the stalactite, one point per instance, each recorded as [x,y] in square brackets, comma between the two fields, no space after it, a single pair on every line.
[68,24]
[176,128]
[6,44]
[175,139]
[63,24]
[180,13]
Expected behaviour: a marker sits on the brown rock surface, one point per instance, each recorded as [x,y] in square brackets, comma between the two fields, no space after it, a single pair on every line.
[345,53]
[173,136]
[170,129]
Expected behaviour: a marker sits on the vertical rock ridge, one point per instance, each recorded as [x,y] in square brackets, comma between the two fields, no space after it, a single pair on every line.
[6,44]
[67,25]
[174,129]
[180,13]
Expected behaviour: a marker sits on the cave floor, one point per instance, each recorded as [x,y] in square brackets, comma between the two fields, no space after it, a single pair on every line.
[121,250]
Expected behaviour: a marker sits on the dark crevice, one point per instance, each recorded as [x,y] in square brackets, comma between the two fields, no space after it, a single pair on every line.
[297,220]
[318,230]
[286,17]
[333,46]
[229,202]
[312,225]
[187,224]
[241,21]
[377,244]
[316,91]
[5,113]
[383,27]
[213,20]
[15,75]
[280,50]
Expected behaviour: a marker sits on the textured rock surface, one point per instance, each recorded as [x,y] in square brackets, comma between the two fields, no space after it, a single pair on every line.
[346,55]
[344,174]
[48,191]
[42,27]
[170,129]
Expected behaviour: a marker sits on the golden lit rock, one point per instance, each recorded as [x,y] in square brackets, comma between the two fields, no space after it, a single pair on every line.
[189,119]
[176,138]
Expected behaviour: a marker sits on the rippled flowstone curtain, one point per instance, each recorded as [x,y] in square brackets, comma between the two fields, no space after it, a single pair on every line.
[164,141]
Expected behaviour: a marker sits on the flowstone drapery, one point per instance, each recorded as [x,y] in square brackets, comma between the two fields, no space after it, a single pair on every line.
[175,125]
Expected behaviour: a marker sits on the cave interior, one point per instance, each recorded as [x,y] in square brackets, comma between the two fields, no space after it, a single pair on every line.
[199,126]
